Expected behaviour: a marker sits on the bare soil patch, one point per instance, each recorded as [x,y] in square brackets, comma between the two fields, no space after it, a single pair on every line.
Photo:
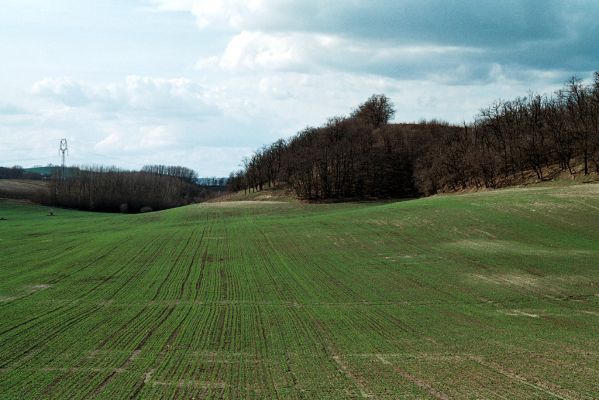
[22,189]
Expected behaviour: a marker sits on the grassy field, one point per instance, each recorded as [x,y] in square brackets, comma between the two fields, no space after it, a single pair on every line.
[484,295]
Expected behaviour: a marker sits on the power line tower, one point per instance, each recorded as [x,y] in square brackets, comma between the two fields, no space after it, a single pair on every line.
[63,150]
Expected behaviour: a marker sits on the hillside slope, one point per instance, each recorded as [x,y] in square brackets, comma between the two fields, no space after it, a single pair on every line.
[482,295]
[22,188]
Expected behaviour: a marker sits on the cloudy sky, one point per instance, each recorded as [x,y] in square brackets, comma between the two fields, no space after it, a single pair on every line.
[202,83]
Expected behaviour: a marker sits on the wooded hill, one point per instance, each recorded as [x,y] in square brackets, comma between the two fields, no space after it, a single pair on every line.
[17,172]
[362,155]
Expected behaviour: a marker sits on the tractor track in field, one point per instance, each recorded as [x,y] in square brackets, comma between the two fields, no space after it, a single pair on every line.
[295,304]
[191,369]
[344,367]
[203,265]
[146,379]
[12,328]
[294,380]
[69,323]
[539,386]
[63,251]
[197,286]
[63,327]
[64,307]
[141,251]
[283,292]
[198,283]
[220,322]
[141,269]
[125,266]
[145,305]
[338,360]
[170,310]
[415,380]
[265,353]
[60,278]
[190,267]
[172,337]
[170,272]
[138,349]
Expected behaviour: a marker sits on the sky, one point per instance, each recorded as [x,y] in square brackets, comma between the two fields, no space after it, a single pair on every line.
[203,83]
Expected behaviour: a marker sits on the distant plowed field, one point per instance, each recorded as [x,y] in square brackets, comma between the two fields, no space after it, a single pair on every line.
[487,295]
[21,188]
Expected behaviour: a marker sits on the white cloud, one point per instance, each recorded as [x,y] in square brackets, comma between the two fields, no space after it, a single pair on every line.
[140,120]
[143,138]
[156,97]
[255,50]
[66,90]
[252,52]
[232,13]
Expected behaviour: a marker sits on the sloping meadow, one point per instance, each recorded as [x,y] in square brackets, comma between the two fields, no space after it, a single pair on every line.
[485,295]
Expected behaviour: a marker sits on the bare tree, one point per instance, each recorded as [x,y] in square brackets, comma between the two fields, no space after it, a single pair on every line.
[364,156]
[377,110]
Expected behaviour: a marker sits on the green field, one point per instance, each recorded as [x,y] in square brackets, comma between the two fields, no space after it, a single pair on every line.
[485,295]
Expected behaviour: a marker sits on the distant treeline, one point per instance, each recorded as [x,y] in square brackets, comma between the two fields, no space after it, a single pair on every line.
[155,187]
[182,173]
[362,155]
[18,172]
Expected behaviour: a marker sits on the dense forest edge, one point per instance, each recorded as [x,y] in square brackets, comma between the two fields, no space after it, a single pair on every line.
[360,156]
[363,155]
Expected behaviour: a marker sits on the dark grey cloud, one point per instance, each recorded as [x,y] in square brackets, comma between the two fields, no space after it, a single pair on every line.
[535,34]
[451,22]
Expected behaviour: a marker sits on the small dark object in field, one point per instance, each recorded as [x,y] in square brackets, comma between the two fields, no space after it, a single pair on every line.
[50,213]
[2,219]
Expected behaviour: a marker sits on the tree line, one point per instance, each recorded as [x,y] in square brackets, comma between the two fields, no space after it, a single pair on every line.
[363,155]
[182,173]
[17,172]
[112,189]
[510,139]
[356,156]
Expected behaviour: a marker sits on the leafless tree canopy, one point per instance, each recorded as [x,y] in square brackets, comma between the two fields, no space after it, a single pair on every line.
[182,173]
[376,111]
[111,189]
[364,156]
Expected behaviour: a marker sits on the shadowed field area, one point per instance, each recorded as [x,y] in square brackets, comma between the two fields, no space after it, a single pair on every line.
[22,188]
[484,295]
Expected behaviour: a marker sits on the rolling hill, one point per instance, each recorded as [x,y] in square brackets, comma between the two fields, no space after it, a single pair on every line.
[24,189]
[480,295]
